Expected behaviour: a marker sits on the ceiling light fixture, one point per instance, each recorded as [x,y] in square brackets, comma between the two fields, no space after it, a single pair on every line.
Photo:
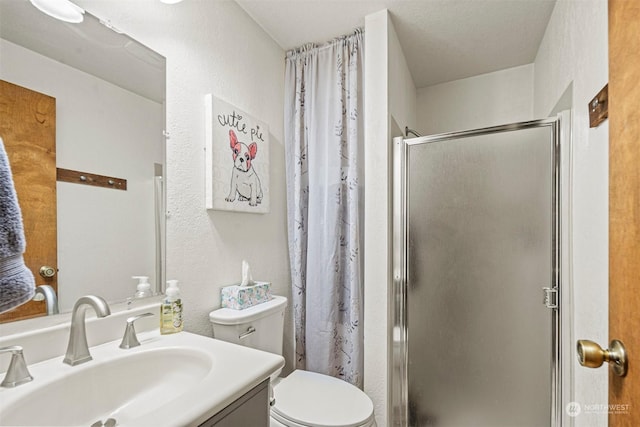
[170,1]
[63,10]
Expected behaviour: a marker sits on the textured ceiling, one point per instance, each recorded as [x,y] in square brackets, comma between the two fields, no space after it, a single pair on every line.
[443,40]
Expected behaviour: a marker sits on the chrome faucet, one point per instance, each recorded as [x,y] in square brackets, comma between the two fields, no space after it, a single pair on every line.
[78,349]
[17,373]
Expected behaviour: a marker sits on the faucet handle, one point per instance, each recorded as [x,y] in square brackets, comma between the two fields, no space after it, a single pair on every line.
[17,373]
[130,340]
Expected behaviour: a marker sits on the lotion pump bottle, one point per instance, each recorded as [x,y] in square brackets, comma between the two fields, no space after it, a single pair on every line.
[171,310]
[144,287]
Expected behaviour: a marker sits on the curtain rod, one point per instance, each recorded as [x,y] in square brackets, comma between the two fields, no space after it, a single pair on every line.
[311,46]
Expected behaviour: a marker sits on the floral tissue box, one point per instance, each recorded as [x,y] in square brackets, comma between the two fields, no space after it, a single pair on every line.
[239,297]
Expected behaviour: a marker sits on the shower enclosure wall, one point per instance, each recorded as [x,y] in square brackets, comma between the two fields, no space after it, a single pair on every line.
[475,301]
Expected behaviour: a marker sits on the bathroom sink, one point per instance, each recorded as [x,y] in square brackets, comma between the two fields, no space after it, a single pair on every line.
[119,388]
[169,380]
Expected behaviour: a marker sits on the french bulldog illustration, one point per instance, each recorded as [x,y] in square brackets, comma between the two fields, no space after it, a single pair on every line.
[244,179]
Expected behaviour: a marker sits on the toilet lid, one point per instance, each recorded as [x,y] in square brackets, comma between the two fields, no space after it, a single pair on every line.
[317,400]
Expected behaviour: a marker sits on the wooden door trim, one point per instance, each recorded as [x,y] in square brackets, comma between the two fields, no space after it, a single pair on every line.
[624,204]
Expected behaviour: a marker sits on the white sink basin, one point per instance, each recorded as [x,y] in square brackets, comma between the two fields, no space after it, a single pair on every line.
[180,379]
[120,388]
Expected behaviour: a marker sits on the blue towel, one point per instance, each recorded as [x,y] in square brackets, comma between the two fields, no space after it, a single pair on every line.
[17,284]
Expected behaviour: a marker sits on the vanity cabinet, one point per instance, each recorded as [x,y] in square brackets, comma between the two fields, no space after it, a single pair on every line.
[251,409]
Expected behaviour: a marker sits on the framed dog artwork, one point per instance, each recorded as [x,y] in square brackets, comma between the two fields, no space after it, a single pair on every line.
[237,159]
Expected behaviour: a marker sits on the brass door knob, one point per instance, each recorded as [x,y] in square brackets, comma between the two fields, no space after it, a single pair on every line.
[47,272]
[591,355]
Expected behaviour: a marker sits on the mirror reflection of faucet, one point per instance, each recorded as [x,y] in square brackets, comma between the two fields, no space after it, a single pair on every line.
[47,294]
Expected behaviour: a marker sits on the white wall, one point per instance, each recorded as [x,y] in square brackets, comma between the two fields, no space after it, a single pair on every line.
[376,213]
[492,99]
[402,90]
[213,47]
[106,130]
[389,99]
[574,51]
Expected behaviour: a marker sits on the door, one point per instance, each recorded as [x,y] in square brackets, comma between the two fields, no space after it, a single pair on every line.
[624,205]
[479,226]
[28,129]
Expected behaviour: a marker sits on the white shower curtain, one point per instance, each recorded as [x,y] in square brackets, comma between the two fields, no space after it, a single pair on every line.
[323,147]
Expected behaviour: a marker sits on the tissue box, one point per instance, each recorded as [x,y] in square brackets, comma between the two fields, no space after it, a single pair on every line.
[240,297]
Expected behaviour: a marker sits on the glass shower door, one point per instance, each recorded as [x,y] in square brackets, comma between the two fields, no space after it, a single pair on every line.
[478,236]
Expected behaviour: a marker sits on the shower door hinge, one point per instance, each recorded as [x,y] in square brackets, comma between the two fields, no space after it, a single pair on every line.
[550,297]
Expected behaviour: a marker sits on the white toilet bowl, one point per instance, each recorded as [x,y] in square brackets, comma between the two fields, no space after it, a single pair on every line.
[307,399]
[303,399]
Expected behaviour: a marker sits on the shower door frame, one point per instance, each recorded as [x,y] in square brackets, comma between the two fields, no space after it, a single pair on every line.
[398,399]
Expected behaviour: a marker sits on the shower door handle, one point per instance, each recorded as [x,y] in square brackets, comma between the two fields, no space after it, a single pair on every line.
[550,297]
[591,355]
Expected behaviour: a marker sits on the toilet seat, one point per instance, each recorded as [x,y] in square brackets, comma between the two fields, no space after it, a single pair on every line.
[315,400]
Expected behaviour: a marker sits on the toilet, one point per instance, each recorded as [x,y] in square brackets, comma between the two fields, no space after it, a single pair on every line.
[303,399]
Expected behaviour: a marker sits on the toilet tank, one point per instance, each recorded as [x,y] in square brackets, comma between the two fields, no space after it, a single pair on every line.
[260,327]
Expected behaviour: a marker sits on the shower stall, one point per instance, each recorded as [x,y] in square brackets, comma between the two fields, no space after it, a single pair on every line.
[475,300]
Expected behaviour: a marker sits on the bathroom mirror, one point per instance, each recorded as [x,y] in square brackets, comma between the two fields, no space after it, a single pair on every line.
[109,119]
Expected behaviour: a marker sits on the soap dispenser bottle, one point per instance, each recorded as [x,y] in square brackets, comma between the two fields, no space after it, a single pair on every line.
[171,310]
[144,287]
